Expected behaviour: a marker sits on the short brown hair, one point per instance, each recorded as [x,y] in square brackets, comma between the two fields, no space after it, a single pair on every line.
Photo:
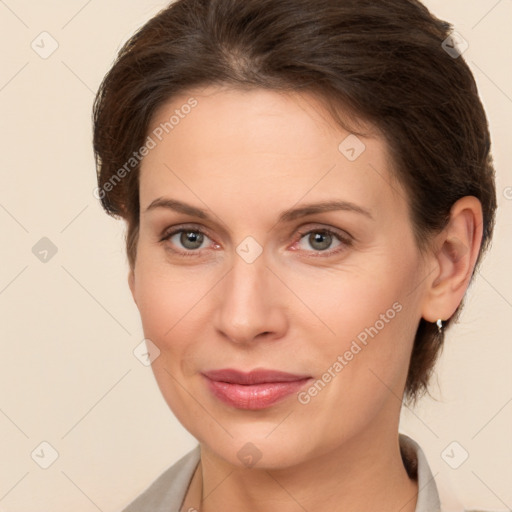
[382,60]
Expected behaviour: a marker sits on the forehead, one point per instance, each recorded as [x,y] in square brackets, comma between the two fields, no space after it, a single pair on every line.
[249,141]
[299,120]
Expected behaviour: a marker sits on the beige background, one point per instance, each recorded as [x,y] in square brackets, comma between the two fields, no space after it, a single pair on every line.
[68,375]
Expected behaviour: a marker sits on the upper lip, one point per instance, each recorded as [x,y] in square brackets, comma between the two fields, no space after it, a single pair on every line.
[256,376]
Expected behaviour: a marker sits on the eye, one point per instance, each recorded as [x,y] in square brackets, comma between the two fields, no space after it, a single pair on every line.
[189,240]
[322,239]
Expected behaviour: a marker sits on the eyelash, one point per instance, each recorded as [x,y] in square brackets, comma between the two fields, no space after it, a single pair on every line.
[345,241]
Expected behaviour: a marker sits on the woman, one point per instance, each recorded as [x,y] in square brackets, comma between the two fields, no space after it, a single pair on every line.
[308,190]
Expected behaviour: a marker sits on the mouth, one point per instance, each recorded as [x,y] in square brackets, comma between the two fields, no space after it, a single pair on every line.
[255,390]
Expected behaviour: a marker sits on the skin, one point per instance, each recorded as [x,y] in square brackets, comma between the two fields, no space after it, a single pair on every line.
[244,157]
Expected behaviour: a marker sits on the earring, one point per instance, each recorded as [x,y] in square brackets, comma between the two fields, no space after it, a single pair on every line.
[439,326]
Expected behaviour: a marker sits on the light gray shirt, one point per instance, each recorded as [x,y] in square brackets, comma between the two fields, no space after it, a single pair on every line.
[167,492]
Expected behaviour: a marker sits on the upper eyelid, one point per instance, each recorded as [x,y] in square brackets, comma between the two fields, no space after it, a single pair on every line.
[198,227]
[178,228]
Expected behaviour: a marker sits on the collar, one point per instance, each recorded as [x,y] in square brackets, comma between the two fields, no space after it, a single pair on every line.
[417,467]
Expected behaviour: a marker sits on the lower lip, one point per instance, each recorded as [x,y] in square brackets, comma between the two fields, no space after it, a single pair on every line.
[256,396]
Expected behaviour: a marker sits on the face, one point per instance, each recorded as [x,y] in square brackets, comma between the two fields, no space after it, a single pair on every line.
[244,273]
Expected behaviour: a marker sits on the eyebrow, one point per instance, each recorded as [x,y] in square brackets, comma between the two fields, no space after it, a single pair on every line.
[286,216]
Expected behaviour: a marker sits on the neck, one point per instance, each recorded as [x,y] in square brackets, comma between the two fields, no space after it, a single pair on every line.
[364,473]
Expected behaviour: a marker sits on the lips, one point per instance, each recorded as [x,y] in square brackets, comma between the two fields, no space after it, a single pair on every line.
[257,389]
[259,376]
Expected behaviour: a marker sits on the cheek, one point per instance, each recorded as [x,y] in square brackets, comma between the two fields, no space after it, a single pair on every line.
[363,368]
[342,305]
[171,301]
[162,297]
[365,323]
[158,307]
[168,302]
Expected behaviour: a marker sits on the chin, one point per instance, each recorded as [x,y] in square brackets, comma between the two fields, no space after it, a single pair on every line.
[251,448]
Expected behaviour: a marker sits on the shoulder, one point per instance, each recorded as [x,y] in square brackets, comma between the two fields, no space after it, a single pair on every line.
[435,493]
[168,490]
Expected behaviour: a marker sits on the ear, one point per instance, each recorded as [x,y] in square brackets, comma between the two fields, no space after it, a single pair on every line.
[452,262]
[131,283]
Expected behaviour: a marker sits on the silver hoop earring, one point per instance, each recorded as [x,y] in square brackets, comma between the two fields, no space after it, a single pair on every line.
[440,326]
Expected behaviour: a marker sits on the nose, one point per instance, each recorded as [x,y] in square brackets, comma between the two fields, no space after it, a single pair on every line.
[250,303]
